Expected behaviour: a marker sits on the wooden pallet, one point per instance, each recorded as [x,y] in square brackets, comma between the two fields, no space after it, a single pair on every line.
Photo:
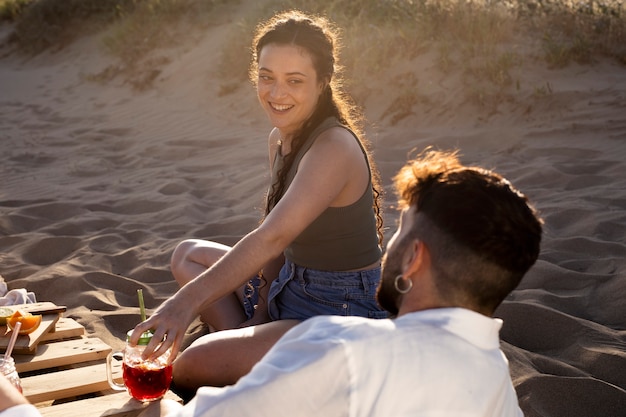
[50,314]
[65,375]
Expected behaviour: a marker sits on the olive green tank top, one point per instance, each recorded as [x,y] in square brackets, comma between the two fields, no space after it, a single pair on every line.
[341,238]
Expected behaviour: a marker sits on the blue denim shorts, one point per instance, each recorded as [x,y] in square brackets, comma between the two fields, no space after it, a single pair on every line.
[300,293]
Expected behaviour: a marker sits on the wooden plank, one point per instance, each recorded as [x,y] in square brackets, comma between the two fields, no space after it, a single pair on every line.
[119,404]
[64,329]
[66,352]
[69,383]
[27,343]
[45,307]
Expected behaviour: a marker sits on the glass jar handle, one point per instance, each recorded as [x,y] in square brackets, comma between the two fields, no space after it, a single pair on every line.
[114,385]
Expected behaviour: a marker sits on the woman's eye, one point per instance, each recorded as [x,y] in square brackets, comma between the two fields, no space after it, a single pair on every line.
[264,77]
[295,81]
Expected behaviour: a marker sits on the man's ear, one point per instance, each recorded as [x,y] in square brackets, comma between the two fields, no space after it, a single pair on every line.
[415,257]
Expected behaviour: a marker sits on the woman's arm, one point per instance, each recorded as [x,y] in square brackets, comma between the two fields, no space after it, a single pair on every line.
[324,173]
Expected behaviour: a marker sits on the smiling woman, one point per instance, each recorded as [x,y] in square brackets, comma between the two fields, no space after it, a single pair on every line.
[317,250]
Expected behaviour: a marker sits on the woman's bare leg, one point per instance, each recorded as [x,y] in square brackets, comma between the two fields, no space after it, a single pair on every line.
[221,358]
[191,258]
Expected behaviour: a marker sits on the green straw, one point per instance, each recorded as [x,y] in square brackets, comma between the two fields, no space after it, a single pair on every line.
[142,308]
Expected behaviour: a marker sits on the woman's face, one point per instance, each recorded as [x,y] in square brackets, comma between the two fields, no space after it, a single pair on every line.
[287,86]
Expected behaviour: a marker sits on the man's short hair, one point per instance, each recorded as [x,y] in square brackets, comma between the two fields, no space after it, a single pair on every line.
[483,234]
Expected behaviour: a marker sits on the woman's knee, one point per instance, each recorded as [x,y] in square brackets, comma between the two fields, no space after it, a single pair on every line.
[181,252]
[194,253]
[179,261]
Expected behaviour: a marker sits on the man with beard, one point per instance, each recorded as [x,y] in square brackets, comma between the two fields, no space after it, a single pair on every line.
[466,238]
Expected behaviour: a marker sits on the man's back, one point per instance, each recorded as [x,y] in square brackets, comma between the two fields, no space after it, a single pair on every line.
[442,362]
[436,362]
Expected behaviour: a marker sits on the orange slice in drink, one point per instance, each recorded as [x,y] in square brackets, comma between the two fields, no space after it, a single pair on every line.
[29,322]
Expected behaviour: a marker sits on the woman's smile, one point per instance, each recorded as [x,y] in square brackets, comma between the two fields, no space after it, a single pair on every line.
[281,107]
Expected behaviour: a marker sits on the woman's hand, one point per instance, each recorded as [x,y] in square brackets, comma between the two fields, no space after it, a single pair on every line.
[169,323]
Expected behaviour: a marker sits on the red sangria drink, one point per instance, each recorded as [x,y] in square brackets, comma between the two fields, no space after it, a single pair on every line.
[144,379]
[147,382]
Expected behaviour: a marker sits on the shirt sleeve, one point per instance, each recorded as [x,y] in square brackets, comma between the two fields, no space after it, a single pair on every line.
[22,410]
[305,373]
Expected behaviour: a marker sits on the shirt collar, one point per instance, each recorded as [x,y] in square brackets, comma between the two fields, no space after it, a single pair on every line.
[477,329]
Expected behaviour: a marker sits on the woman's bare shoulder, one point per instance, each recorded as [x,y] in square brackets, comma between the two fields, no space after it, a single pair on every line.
[337,138]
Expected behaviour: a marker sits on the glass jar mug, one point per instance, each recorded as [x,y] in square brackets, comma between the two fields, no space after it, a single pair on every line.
[145,380]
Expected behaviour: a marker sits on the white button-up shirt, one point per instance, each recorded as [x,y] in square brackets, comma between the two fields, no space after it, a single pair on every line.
[440,362]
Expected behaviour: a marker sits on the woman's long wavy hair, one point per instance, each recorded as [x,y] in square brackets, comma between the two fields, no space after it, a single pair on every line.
[320,39]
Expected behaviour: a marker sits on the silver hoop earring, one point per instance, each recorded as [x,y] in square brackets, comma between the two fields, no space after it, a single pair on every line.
[402,290]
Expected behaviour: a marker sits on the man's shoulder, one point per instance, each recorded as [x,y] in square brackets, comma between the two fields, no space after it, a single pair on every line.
[340,327]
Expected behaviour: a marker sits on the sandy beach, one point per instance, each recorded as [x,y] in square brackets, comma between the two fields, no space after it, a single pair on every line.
[100,181]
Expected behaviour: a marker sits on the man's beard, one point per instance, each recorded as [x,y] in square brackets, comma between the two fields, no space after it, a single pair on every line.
[387,295]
